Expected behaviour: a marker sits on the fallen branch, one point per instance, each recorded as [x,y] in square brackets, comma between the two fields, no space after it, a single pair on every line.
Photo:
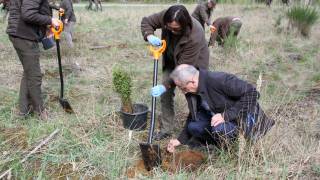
[99,47]
[121,46]
[33,151]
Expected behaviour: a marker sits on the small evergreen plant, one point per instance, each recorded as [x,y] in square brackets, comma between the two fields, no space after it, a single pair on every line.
[122,84]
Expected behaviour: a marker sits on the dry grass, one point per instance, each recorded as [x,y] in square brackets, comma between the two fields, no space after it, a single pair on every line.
[95,143]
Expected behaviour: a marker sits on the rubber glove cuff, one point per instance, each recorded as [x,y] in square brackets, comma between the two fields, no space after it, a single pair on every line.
[158,90]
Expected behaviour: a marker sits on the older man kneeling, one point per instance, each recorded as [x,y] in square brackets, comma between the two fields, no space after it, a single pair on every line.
[220,106]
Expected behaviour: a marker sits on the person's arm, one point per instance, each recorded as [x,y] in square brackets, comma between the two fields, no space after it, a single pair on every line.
[151,23]
[203,14]
[245,94]
[30,13]
[213,35]
[53,6]
[67,6]
[209,18]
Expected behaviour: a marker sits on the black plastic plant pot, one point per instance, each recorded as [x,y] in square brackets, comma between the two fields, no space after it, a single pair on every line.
[137,120]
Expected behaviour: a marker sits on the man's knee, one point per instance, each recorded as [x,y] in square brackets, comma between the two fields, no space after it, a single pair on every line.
[227,129]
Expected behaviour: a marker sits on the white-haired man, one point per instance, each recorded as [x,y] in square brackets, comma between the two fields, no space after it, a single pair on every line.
[220,105]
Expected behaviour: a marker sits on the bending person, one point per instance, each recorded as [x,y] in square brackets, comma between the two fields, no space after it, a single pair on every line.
[186,45]
[224,27]
[220,105]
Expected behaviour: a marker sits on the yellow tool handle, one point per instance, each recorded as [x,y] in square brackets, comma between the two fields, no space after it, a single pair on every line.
[57,30]
[157,52]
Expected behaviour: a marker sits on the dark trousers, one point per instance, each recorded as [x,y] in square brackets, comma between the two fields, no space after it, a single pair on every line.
[30,87]
[202,130]
[68,32]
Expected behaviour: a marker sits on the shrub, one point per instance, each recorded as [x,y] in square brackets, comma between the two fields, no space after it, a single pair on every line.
[122,84]
[231,41]
[302,18]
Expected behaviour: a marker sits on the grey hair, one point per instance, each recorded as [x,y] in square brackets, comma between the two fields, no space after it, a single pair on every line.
[183,73]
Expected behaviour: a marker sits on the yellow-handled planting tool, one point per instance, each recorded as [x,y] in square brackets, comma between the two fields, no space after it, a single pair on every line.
[57,32]
[151,153]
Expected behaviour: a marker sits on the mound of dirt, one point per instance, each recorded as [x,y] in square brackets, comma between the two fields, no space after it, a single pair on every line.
[172,163]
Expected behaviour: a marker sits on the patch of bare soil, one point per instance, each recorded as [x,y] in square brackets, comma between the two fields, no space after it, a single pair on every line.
[172,163]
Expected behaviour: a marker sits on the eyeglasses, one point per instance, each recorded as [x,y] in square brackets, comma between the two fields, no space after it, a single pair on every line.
[175,29]
[183,87]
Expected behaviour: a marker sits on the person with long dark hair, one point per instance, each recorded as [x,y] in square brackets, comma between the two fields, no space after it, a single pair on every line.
[186,44]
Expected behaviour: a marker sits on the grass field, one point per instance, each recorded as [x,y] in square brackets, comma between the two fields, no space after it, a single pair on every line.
[93,144]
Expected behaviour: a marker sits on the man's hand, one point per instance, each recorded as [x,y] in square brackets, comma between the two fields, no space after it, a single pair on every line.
[212,29]
[173,143]
[66,21]
[216,120]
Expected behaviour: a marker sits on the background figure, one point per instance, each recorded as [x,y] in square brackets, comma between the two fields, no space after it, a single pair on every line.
[27,25]
[268,2]
[286,2]
[203,12]
[97,4]
[225,26]
[69,20]
[5,8]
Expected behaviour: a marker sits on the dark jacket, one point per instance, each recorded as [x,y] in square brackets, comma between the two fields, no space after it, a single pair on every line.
[202,13]
[192,48]
[223,26]
[68,10]
[28,19]
[230,96]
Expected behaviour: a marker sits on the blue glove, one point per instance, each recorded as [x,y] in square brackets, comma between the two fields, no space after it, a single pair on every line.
[158,90]
[154,40]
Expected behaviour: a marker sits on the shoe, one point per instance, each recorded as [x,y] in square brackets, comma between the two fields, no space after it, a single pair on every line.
[198,145]
[24,115]
[161,135]
[43,115]
[194,143]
